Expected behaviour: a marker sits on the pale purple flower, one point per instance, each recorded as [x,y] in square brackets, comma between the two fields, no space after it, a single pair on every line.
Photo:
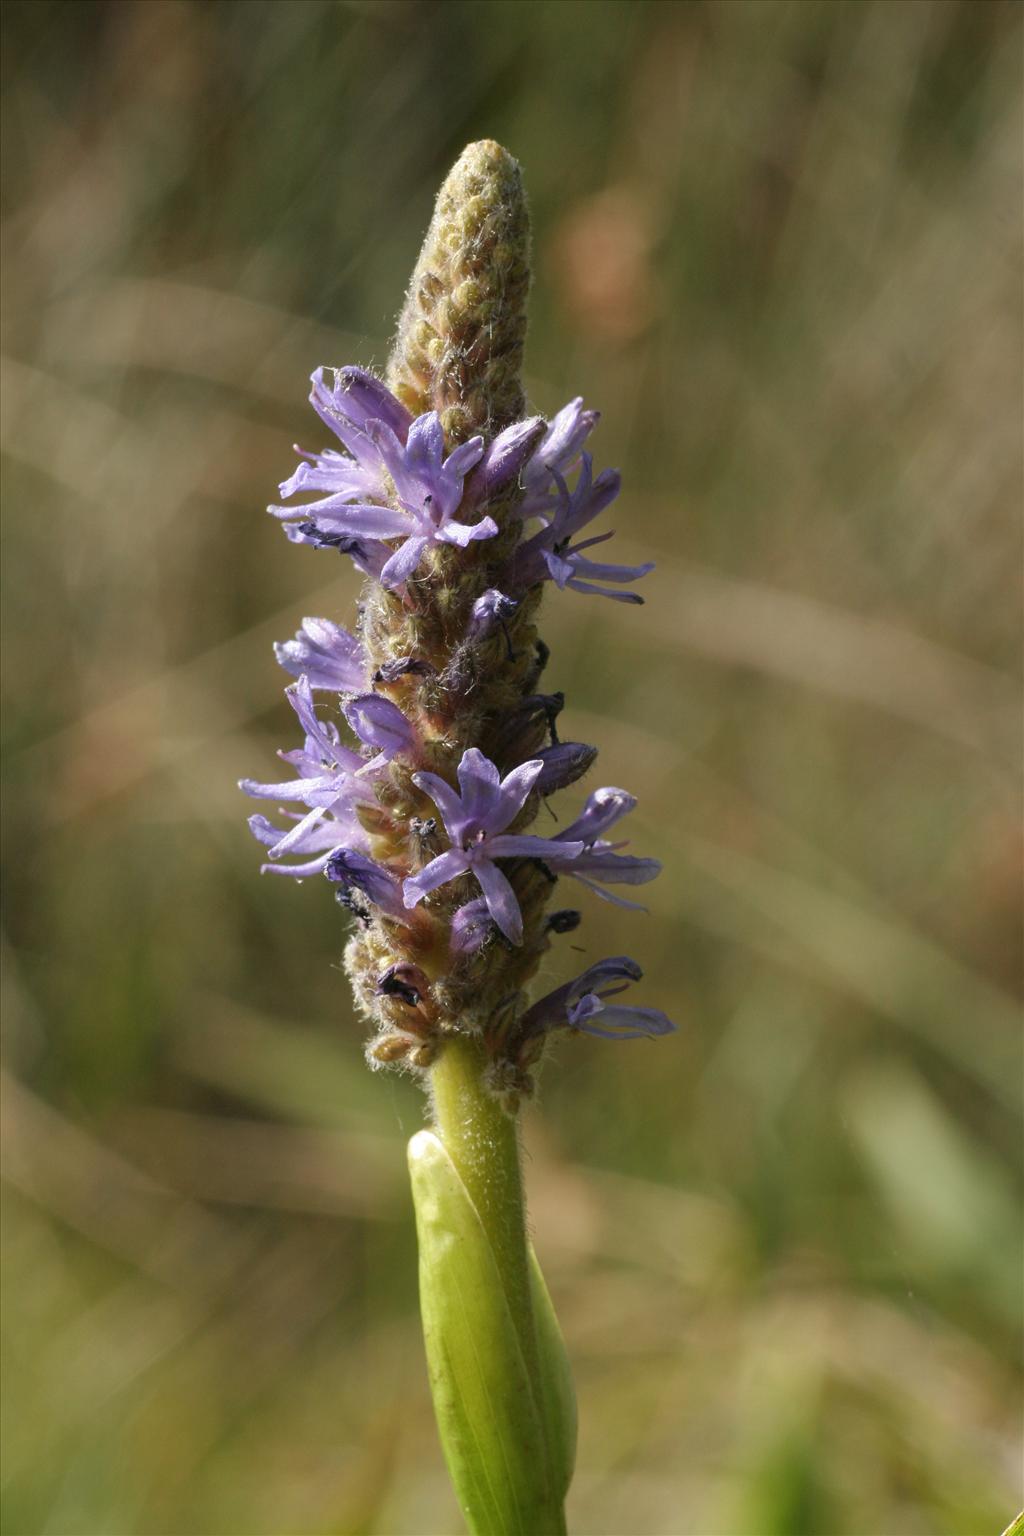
[429,488]
[329,656]
[336,829]
[551,555]
[503,461]
[353,401]
[476,822]
[617,1021]
[557,453]
[600,862]
[380,724]
[347,405]
[331,781]
[582,1005]
[385,444]
[324,765]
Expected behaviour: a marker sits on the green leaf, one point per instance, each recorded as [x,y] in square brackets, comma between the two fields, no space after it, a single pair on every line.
[558,1395]
[491,1432]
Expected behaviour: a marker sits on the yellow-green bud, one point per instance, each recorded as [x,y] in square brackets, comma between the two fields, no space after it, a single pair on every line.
[459,348]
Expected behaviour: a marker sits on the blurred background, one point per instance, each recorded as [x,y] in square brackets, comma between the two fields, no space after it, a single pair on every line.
[778,244]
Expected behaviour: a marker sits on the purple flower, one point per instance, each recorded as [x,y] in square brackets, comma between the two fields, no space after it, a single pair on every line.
[581,1005]
[384,441]
[551,555]
[387,495]
[600,860]
[476,822]
[332,831]
[332,780]
[429,488]
[503,461]
[328,655]
[557,452]
[380,724]
[354,872]
[617,1021]
[347,405]
[326,768]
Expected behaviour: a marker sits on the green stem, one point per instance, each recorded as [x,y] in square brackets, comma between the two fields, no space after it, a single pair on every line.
[483,1143]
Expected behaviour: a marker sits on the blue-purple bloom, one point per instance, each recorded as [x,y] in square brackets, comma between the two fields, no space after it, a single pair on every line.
[331,782]
[381,725]
[503,461]
[385,499]
[551,554]
[475,822]
[386,447]
[329,656]
[347,405]
[335,829]
[557,454]
[582,1005]
[600,862]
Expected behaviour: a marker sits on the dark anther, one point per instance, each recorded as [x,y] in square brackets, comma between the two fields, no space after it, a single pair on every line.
[342,542]
[391,671]
[423,828]
[553,708]
[389,985]
[550,705]
[564,921]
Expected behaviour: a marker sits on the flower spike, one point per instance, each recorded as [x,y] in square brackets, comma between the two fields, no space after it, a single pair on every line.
[431,739]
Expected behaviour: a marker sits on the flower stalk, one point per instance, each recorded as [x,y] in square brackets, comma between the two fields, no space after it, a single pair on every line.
[483,1143]
[468,1192]
[430,742]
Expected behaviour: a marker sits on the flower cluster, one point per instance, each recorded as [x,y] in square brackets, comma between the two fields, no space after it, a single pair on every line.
[419,818]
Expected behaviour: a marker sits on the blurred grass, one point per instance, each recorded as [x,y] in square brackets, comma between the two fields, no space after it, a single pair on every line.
[778,244]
